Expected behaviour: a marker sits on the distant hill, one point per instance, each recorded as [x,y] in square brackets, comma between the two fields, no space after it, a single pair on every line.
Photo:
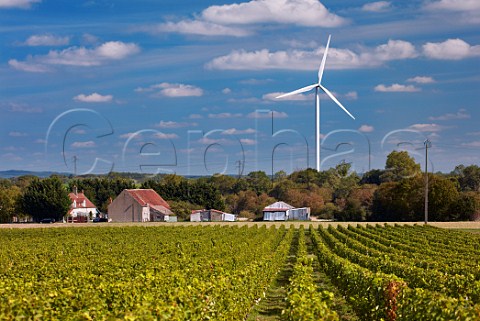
[15,173]
[138,177]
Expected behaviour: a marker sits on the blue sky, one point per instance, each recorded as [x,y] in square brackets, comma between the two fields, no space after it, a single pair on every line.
[189,87]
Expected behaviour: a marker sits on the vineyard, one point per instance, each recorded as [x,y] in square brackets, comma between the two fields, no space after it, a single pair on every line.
[240,273]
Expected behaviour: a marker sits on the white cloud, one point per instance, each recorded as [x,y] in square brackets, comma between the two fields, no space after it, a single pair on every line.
[234,131]
[17,134]
[28,66]
[166,136]
[472,144]
[158,135]
[239,19]
[454,5]
[173,90]
[78,56]
[89,38]
[352,95]
[21,4]
[197,27]
[463,11]
[80,131]
[451,49]
[310,13]
[421,80]
[226,91]
[395,50]
[47,40]
[128,135]
[461,114]
[379,6]
[87,144]
[396,88]
[253,81]
[20,108]
[276,114]
[248,141]
[211,141]
[172,124]
[225,115]
[195,116]
[309,60]
[427,127]
[366,129]
[93,98]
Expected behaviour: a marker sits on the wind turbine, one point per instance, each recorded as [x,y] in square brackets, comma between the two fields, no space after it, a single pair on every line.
[318,86]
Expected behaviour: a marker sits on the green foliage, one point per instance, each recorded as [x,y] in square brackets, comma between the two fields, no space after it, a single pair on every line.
[9,201]
[304,300]
[399,166]
[468,177]
[177,188]
[100,190]
[46,198]
[159,273]
[219,273]
[183,209]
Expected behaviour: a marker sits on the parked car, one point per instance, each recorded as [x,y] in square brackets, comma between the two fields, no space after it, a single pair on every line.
[47,221]
[99,220]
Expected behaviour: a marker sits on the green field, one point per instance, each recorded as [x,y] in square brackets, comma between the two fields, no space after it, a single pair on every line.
[217,272]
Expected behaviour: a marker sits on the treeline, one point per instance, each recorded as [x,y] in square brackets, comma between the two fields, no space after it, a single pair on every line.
[395,193]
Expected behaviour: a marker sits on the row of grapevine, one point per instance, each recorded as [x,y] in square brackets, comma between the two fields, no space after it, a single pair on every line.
[221,273]
[378,295]
[160,273]
[304,300]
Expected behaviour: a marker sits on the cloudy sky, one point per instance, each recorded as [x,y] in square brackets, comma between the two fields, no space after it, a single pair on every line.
[189,87]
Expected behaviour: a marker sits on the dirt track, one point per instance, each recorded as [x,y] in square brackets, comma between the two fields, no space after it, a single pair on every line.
[457,225]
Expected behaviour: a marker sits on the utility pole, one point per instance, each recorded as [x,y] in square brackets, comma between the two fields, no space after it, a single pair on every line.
[427,146]
[239,164]
[74,165]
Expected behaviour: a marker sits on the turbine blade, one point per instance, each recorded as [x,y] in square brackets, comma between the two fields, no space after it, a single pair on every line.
[335,100]
[298,91]
[324,59]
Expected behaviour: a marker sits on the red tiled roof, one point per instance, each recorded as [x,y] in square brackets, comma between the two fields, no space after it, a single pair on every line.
[79,198]
[147,196]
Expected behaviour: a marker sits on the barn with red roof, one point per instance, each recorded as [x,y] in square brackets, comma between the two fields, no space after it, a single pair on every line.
[139,205]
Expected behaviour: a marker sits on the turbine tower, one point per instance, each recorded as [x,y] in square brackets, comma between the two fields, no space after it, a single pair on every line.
[318,86]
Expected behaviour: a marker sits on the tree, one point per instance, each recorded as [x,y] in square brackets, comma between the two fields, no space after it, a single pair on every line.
[399,166]
[198,191]
[353,211]
[46,198]
[9,197]
[467,207]
[372,177]
[248,201]
[442,195]
[100,190]
[468,177]
[183,209]
[259,182]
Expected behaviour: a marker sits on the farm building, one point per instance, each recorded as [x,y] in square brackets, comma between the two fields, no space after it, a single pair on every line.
[281,211]
[81,209]
[140,205]
[211,216]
